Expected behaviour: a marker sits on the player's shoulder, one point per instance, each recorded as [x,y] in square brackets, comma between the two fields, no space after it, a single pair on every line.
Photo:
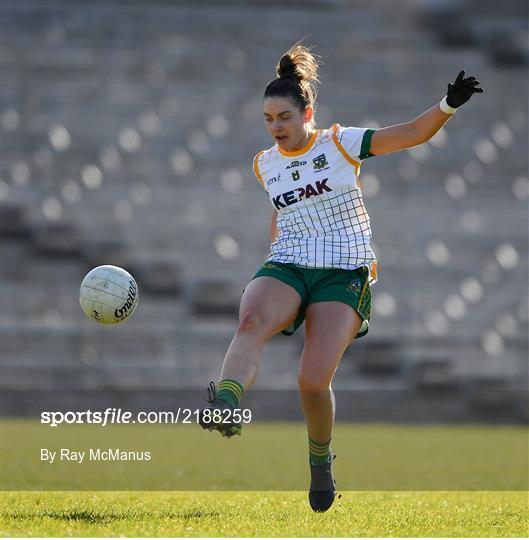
[336,132]
[340,130]
[268,153]
[265,159]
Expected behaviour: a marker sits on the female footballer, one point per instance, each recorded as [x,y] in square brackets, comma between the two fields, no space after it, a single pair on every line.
[321,265]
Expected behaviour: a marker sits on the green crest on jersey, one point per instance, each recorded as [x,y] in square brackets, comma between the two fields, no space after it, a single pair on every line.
[320,162]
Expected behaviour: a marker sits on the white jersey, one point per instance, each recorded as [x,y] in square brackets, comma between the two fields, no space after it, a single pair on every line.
[321,218]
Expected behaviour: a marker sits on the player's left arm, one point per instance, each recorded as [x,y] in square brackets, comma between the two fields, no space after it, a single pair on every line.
[427,124]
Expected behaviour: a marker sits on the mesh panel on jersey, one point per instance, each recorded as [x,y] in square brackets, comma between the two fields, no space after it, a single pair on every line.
[305,238]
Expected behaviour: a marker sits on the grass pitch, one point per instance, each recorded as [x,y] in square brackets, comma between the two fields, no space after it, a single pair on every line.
[497,514]
[394,480]
[270,456]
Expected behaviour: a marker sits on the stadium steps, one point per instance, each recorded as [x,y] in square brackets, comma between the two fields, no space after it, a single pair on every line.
[120,77]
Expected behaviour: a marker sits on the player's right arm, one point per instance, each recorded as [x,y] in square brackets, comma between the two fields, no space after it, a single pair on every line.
[273,227]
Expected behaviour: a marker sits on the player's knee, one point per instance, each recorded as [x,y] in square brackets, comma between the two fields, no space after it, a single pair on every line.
[313,382]
[251,322]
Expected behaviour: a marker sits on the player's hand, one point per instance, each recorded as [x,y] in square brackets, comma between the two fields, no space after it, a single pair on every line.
[462,89]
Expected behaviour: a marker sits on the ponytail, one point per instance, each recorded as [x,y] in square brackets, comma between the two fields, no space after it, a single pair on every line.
[296,77]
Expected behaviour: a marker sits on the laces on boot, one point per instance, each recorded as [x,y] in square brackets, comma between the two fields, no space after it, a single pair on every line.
[212,398]
[212,393]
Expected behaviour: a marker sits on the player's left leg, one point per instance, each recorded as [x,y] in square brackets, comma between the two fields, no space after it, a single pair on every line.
[330,328]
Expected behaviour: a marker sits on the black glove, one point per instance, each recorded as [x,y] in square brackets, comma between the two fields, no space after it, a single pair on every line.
[462,89]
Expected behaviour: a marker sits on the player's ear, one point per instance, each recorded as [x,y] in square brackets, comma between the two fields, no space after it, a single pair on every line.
[309,114]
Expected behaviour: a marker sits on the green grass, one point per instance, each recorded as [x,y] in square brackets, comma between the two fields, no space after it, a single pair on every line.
[186,458]
[395,480]
[497,514]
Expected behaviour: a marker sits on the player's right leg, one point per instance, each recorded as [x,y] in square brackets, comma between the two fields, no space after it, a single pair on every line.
[267,306]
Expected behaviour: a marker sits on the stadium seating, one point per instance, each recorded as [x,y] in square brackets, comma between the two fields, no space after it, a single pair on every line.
[128,136]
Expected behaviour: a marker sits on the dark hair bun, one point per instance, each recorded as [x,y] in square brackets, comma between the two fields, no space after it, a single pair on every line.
[297,73]
[286,67]
[298,62]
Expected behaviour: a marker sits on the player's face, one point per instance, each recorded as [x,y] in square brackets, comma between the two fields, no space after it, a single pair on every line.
[289,126]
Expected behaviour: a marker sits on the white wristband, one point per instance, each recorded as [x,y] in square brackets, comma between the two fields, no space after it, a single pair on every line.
[446,108]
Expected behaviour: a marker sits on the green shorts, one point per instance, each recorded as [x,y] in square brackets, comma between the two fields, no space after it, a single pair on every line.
[323,285]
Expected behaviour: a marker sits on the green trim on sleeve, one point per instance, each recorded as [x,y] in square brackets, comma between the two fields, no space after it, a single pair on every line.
[366,144]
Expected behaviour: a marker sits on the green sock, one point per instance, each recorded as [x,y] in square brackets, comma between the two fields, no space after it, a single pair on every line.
[230,391]
[319,452]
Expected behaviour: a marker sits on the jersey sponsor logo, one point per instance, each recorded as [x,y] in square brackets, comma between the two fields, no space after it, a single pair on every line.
[295,175]
[296,195]
[296,163]
[273,180]
[320,163]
